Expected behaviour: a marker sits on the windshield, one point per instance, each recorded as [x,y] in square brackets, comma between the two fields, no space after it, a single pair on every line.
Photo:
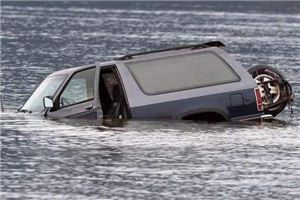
[47,88]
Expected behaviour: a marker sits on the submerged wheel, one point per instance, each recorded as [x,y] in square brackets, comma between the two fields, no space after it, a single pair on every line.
[274,91]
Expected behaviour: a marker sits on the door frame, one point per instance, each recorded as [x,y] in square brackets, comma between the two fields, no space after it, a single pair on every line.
[114,67]
[86,107]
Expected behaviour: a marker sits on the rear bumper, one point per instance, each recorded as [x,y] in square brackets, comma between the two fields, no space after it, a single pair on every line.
[266,117]
[256,117]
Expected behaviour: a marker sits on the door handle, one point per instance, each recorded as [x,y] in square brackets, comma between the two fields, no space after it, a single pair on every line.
[89,107]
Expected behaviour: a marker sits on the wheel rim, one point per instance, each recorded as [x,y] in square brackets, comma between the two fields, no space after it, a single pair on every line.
[273,88]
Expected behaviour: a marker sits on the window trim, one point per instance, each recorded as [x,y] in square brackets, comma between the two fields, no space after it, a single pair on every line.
[66,84]
[184,88]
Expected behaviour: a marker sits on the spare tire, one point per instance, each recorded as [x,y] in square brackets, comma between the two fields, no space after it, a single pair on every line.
[275,91]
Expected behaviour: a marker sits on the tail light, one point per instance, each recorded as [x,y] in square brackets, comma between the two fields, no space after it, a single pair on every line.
[259,101]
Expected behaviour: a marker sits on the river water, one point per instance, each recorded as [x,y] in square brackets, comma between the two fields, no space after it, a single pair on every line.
[77,159]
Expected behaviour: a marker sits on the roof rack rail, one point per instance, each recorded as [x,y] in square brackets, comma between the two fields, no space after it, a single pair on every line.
[192,46]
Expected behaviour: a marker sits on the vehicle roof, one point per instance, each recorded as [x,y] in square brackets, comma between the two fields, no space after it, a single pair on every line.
[187,47]
[71,70]
[213,46]
[67,71]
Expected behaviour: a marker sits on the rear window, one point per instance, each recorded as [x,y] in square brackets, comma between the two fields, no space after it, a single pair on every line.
[181,72]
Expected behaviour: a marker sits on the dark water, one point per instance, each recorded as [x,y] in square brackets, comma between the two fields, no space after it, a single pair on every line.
[46,159]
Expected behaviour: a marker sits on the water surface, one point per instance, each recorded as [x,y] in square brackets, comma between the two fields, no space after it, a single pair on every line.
[77,159]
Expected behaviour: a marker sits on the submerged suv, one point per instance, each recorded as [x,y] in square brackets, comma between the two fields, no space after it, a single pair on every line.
[194,82]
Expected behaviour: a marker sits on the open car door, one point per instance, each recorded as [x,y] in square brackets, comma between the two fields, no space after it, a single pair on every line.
[79,97]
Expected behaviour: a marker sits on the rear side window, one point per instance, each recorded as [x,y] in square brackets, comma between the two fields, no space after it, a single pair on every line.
[181,72]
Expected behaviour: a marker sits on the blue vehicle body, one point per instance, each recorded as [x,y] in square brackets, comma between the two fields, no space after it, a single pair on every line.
[129,88]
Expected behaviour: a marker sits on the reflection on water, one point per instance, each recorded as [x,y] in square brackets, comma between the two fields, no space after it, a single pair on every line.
[77,159]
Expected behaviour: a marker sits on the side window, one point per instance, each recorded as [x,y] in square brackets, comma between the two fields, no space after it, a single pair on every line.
[174,73]
[79,89]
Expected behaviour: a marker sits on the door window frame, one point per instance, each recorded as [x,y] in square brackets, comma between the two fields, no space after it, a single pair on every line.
[57,101]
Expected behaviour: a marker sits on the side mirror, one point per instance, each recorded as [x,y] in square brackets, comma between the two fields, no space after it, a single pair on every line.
[48,102]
